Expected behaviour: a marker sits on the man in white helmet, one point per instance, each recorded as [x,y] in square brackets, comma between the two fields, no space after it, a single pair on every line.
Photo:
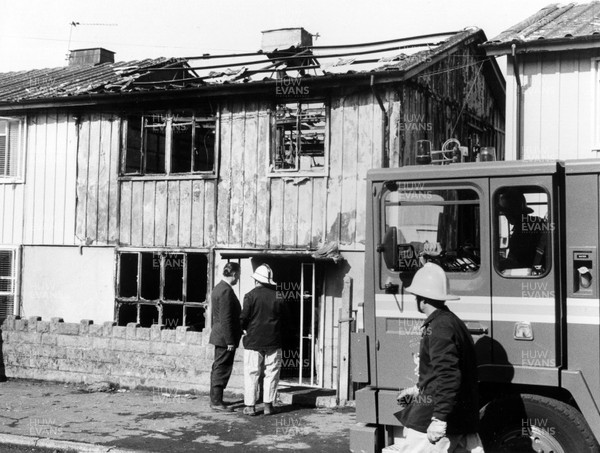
[261,322]
[442,410]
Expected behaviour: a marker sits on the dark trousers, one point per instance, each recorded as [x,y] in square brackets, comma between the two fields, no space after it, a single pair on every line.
[221,371]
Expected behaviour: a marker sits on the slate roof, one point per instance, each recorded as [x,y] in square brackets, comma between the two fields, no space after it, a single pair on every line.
[553,25]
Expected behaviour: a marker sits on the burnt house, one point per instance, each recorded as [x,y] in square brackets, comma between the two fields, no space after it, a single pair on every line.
[124,186]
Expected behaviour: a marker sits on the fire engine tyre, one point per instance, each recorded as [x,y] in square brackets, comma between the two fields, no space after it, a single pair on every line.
[532,423]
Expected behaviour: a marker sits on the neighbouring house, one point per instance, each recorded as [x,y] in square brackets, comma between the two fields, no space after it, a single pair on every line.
[553,86]
[125,186]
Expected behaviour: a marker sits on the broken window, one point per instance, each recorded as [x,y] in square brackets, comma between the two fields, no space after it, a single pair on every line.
[300,137]
[171,142]
[11,132]
[161,287]
[7,283]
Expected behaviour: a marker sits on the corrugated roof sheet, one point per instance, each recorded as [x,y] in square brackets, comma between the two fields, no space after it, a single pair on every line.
[163,74]
[555,22]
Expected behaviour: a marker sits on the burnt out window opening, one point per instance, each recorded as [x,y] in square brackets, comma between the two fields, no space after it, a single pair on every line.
[160,287]
[435,224]
[299,137]
[8,282]
[170,142]
[523,232]
[11,133]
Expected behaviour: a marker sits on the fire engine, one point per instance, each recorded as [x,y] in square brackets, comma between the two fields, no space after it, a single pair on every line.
[534,322]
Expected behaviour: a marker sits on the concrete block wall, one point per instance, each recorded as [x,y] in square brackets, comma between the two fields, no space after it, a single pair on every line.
[130,356]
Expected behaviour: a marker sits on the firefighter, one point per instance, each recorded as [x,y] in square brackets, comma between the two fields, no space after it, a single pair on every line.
[441,412]
[528,237]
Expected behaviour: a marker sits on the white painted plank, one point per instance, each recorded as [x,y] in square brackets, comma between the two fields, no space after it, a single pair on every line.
[70,182]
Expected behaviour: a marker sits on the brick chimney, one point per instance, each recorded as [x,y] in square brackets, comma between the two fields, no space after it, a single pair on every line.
[91,57]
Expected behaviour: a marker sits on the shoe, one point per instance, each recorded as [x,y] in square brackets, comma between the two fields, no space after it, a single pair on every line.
[221,408]
[270,409]
[249,410]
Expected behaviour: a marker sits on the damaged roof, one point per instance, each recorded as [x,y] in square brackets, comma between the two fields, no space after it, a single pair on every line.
[399,59]
[560,26]
[75,80]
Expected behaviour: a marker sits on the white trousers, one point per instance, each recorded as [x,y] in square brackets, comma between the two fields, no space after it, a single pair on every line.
[417,442]
[254,363]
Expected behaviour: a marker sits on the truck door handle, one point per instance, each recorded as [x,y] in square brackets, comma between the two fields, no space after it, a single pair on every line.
[479,331]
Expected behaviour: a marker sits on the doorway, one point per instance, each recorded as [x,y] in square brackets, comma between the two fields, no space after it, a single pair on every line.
[300,287]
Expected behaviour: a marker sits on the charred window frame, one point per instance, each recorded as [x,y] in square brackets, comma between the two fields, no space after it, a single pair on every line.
[300,138]
[168,288]
[8,282]
[12,145]
[173,142]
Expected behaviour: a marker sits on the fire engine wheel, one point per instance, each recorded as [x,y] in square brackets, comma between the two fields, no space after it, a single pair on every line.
[532,423]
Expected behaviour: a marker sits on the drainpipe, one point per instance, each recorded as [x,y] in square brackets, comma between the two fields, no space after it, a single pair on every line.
[519,118]
[384,124]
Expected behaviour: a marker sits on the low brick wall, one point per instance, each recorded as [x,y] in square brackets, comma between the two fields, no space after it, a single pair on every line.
[129,356]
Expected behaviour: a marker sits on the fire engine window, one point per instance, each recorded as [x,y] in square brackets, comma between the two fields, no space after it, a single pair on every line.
[522,231]
[433,224]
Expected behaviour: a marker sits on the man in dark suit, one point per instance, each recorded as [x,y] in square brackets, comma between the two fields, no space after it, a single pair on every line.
[225,334]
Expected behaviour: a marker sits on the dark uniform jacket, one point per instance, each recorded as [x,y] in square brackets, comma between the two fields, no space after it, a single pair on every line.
[262,319]
[225,309]
[447,377]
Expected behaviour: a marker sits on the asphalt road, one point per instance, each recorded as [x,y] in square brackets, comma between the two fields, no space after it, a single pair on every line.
[159,420]
[17,449]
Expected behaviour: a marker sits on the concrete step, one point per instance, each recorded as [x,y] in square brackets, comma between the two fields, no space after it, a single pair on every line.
[307,396]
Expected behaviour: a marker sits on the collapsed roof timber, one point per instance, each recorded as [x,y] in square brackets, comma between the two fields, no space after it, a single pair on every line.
[319,67]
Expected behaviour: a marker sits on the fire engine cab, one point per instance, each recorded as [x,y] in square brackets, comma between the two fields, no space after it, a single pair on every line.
[519,243]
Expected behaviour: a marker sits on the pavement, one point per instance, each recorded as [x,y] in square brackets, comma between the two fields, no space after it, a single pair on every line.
[101,419]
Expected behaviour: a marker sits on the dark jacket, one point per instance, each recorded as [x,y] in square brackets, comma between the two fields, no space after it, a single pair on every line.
[225,309]
[262,319]
[447,377]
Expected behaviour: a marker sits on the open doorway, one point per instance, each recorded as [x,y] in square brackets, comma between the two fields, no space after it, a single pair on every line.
[300,286]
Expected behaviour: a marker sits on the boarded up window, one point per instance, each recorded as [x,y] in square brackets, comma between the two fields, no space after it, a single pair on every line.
[181,141]
[7,283]
[300,138]
[11,131]
[162,288]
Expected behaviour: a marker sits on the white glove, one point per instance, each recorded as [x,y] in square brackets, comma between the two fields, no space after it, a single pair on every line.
[406,395]
[436,430]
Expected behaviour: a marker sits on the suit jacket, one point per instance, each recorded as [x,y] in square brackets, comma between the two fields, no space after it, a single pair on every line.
[225,309]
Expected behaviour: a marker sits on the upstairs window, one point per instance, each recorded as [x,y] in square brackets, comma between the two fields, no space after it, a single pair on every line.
[173,142]
[11,141]
[300,138]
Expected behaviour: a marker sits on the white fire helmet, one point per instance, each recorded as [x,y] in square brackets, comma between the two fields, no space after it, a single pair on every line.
[264,274]
[431,282]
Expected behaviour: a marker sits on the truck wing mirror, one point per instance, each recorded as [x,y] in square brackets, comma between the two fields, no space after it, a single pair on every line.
[389,248]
